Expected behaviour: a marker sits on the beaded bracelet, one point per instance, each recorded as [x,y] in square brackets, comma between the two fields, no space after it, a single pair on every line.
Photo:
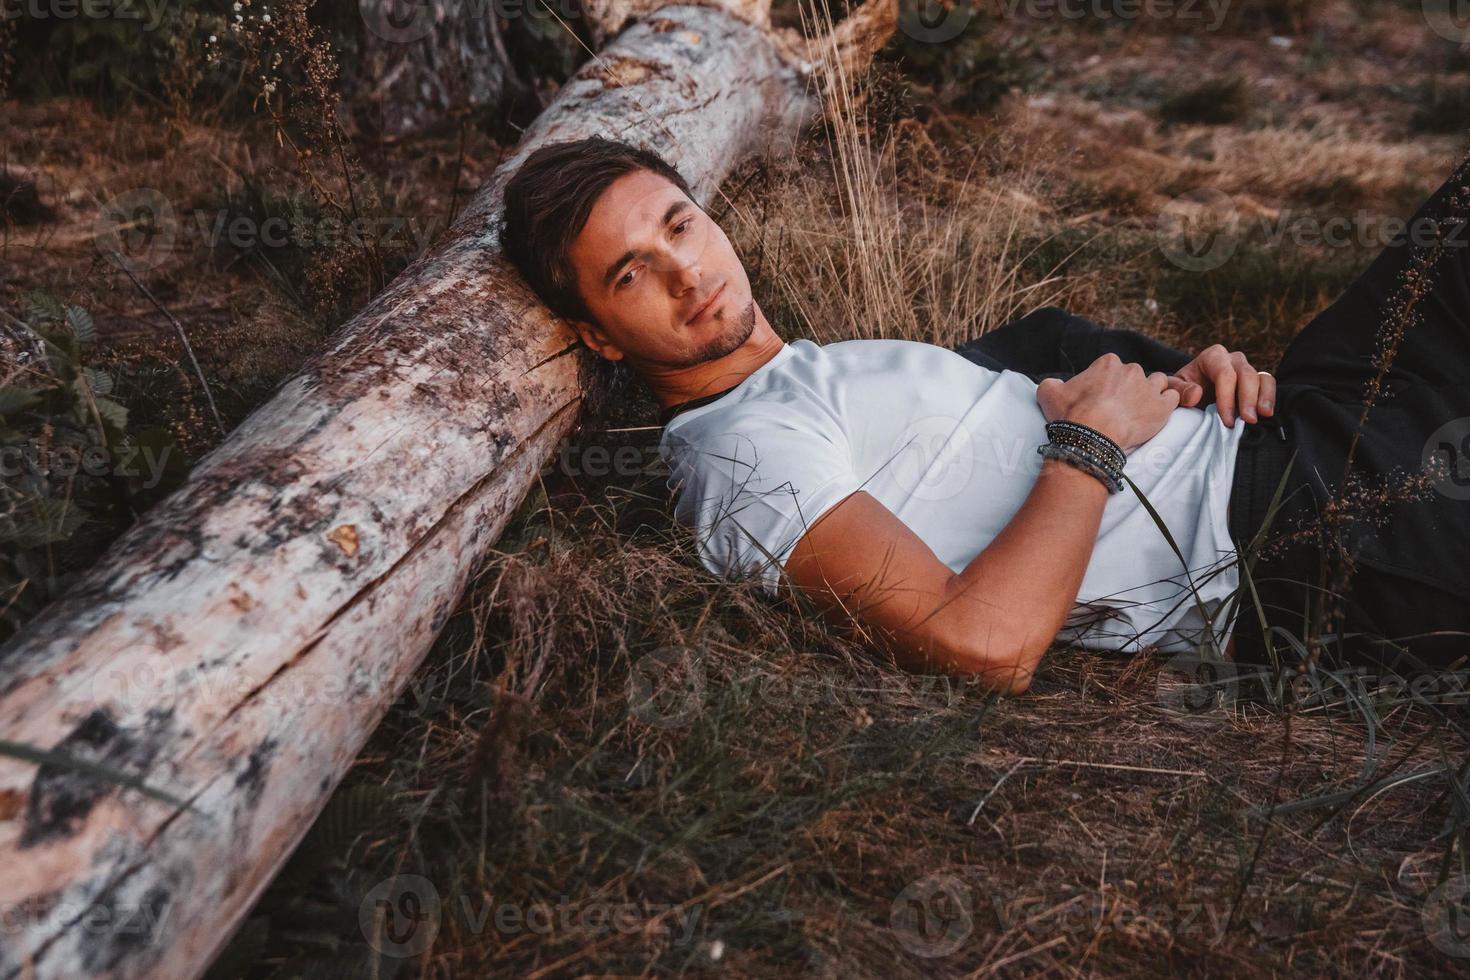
[1095,441]
[1110,476]
[1102,454]
[1067,432]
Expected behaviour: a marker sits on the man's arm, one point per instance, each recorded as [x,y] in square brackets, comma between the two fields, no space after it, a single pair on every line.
[994,619]
[1000,614]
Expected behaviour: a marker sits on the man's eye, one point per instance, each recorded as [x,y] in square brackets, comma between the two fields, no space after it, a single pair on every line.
[624,281]
[679,229]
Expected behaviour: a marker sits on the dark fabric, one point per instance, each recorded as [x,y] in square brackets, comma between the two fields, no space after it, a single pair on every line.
[667,413]
[1051,343]
[1412,575]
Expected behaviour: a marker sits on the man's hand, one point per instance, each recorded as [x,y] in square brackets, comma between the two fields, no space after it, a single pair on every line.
[1113,396]
[1237,387]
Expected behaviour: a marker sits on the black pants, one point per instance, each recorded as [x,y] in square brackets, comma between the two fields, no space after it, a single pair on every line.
[1410,573]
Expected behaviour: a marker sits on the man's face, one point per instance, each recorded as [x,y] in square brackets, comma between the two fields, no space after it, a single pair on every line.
[646,261]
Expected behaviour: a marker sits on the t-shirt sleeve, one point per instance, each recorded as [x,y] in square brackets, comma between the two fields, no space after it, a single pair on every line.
[750,491]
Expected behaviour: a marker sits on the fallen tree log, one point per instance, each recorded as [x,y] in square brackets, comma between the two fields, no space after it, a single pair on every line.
[238,645]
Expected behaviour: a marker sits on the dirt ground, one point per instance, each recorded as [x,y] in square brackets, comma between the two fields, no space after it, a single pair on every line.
[612,764]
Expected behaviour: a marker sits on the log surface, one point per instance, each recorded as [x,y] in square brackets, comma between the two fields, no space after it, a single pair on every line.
[238,645]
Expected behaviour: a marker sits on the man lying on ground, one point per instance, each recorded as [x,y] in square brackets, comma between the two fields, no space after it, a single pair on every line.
[969,507]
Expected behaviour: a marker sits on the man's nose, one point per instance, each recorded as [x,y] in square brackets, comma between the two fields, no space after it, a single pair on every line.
[685,268]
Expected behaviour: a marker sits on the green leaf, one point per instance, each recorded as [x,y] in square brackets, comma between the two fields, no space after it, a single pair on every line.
[113,413]
[80,322]
[99,381]
[42,521]
[16,399]
[42,306]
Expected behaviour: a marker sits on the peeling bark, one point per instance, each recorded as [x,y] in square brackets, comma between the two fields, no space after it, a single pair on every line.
[238,645]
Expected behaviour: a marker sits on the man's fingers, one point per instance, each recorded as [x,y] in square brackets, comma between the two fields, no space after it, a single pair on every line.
[1250,388]
[1189,391]
[1267,400]
[1225,396]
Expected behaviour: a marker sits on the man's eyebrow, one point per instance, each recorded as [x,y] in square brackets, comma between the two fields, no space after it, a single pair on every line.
[631,254]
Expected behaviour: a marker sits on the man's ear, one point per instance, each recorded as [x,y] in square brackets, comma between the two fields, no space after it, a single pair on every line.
[593,336]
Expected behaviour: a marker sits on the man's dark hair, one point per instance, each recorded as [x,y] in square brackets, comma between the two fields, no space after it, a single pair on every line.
[548,201]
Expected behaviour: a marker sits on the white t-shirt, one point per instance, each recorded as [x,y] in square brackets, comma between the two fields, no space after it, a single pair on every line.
[949,447]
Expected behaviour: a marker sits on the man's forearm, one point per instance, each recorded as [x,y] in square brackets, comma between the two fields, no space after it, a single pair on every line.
[1006,607]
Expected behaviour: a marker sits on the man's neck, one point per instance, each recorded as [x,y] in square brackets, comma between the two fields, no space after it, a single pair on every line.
[674,386]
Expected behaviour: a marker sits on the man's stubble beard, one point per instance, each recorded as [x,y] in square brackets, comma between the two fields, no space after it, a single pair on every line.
[727,342]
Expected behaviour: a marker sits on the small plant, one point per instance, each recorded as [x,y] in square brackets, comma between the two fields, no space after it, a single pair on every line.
[973,70]
[72,473]
[1215,102]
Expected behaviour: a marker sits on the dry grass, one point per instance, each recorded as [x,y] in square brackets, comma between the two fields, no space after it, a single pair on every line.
[606,730]
[781,801]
